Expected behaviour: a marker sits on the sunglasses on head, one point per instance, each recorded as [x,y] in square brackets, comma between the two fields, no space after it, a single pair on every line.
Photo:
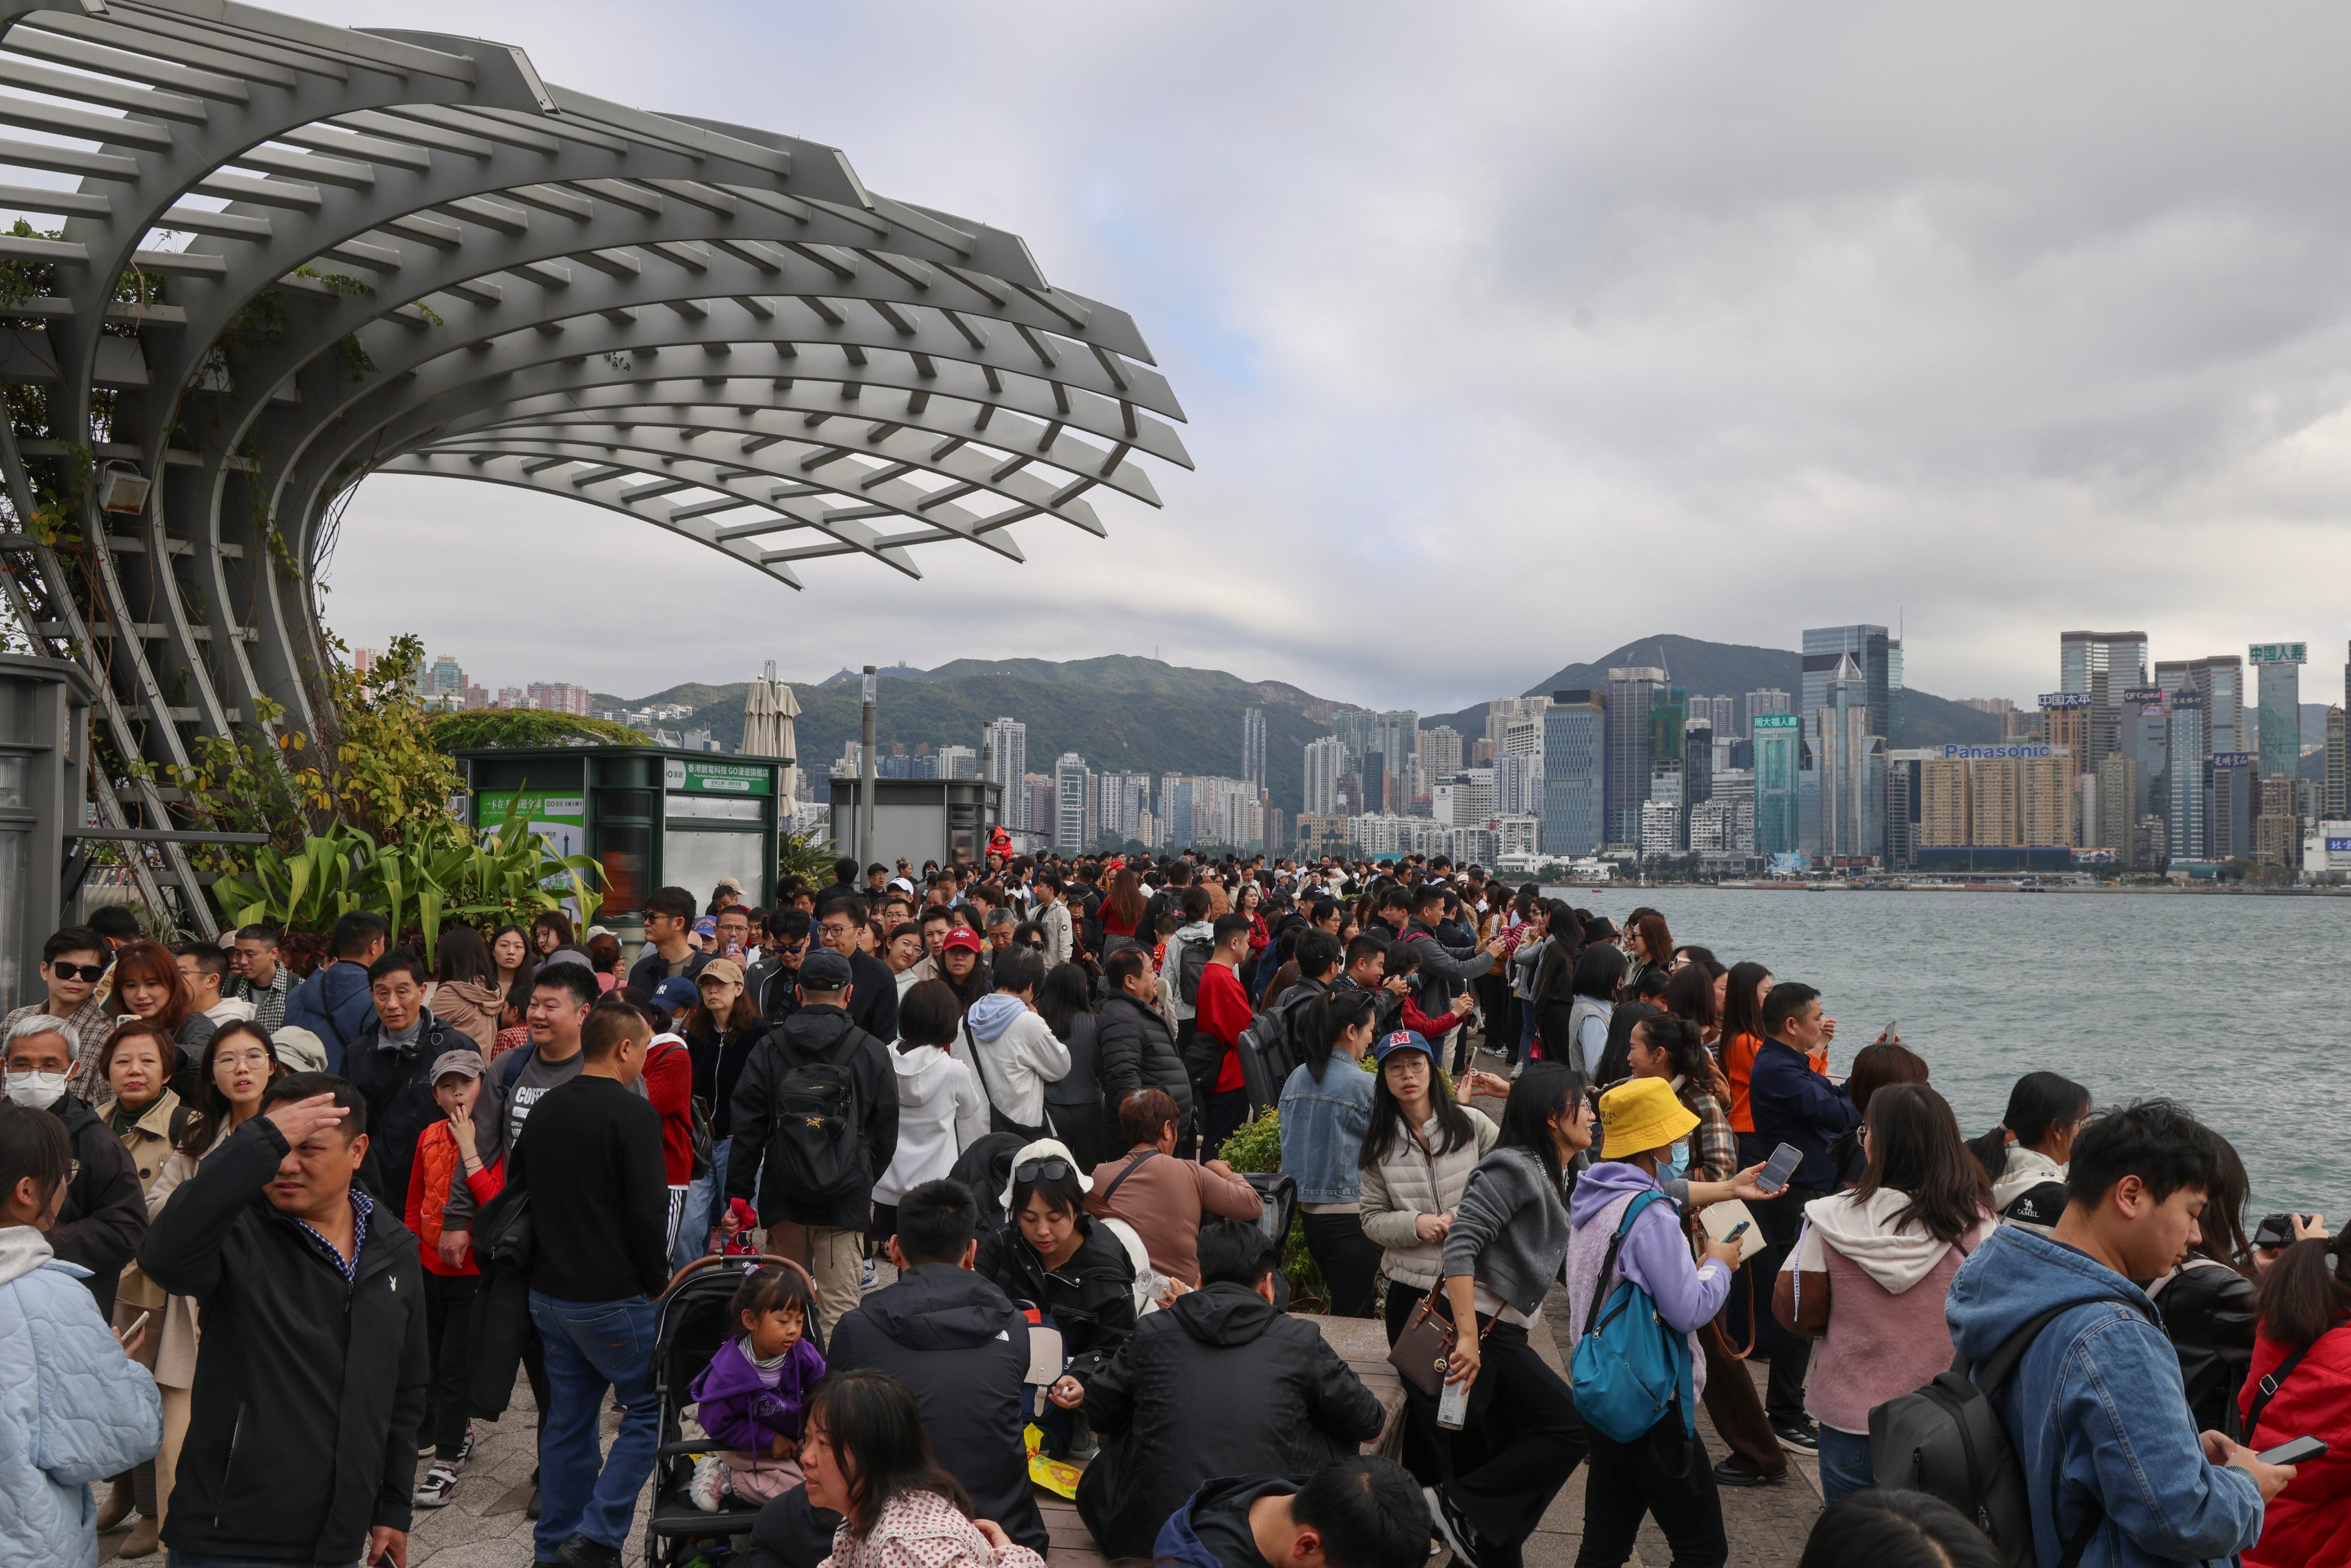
[93,973]
[1050,1169]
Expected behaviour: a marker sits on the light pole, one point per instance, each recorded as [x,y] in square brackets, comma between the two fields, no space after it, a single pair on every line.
[865,776]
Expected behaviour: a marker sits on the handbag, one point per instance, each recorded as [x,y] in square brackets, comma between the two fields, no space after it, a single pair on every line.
[1423,1352]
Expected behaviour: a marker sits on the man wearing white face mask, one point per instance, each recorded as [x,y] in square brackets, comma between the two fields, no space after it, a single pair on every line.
[105,1211]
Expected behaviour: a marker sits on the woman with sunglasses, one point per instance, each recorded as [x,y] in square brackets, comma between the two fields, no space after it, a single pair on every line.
[237,1065]
[1054,1256]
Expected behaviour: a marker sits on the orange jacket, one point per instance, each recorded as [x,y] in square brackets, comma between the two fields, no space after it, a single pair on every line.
[436,1166]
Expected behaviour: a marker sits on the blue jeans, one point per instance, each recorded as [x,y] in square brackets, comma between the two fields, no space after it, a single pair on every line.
[704,1200]
[1844,1464]
[591,1346]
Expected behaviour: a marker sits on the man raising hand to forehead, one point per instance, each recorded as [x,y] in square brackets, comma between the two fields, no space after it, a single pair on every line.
[301,1441]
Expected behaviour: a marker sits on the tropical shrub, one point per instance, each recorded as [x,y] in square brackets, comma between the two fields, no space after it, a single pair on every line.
[526,727]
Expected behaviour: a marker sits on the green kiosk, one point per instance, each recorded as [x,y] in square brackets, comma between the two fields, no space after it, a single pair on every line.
[652,816]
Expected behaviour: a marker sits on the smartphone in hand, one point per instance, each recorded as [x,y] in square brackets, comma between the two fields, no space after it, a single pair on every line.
[1781,1165]
[2300,1452]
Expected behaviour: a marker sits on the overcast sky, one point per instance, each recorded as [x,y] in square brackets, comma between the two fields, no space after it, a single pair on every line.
[1508,334]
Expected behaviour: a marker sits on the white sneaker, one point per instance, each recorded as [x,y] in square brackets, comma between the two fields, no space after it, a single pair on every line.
[870,1280]
[439,1485]
[709,1489]
[1517,1068]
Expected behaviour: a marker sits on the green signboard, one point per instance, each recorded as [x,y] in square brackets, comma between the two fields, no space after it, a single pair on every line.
[722,778]
[561,819]
[1775,721]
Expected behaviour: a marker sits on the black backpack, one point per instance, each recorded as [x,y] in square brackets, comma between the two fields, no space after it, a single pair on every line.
[815,1138]
[1947,1440]
[1191,963]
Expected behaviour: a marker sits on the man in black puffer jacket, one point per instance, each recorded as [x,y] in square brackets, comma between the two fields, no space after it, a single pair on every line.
[391,1064]
[1287,1404]
[1134,1047]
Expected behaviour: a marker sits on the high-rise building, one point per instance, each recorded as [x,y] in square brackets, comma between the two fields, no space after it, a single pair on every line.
[1518,766]
[2338,766]
[2279,666]
[1440,751]
[1722,712]
[1698,758]
[1037,803]
[1725,825]
[2184,744]
[2277,831]
[1849,757]
[2065,722]
[2229,806]
[1769,699]
[2122,801]
[1905,787]
[1874,653]
[1004,759]
[1326,760]
[1631,755]
[1464,800]
[959,762]
[1574,787]
[1072,791]
[559,696]
[1779,747]
[1992,797]
[446,681]
[1253,746]
[1395,736]
[1352,728]
[2221,679]
[1993,705]
[2105,664]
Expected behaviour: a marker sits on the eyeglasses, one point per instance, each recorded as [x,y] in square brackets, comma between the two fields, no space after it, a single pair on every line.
[1037,946]
[93,973]
[1052,1170]
[242,1058]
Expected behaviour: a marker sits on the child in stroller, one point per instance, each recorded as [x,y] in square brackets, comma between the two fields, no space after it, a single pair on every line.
[750,1400]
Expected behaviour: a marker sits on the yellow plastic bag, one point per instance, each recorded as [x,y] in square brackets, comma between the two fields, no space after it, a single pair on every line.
[1055,1476]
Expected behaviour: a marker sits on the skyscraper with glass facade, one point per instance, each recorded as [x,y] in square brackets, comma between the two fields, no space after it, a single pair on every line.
[1631,743]
[2105,664]
[1777,745]
[1574,786]
[1876,652]
[2280,666]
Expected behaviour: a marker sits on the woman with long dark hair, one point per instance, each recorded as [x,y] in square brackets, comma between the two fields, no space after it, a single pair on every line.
[465,994]
[1326,1105]
[1647,944]
[1689,996]
[147,985]
[1877,1065]
[867,1460]
[1419,1150]
[1074,1102]
[1122,910]
[2207,1301]
[1743,1037]
[1870,1277]
[517,967]
[1498,1475]
[2299,1385]
[1599,979]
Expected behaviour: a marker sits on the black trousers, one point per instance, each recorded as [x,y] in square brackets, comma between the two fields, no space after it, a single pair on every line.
[1664,1475]
[1226,1112]
[1349,1262]
[1517,1449]
[449,1332]
[1780,1219]
[1419,1450]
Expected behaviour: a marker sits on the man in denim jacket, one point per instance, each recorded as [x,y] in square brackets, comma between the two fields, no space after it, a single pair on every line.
[2097,1409]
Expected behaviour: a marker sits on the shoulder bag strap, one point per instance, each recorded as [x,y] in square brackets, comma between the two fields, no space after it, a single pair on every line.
[1608,1264]
[2272,1381]
[1120,1180]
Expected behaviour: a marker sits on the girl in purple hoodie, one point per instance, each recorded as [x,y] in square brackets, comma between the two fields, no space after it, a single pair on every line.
[749,1399]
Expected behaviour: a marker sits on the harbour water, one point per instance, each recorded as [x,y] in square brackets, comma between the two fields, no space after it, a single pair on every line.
[2237,1007]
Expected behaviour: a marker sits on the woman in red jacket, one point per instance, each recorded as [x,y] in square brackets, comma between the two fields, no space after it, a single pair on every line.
[2304,1315]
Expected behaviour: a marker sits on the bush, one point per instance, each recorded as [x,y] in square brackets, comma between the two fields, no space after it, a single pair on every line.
[1257,1146]
[526,727]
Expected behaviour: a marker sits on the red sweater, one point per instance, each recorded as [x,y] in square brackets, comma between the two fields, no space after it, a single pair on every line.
[1224,1011]
[669,1084]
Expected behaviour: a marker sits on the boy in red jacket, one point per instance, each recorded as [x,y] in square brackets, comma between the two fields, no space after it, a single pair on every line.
[1222,1013]
[448,1289]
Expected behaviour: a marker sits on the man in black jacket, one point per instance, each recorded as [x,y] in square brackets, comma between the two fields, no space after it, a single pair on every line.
[669,946]
[774,978]
[391,1064]
[818,1099]
[105,1211]
[961,1345]
[1284,1403]
[301,1443]
[1134,1047]
[873,989]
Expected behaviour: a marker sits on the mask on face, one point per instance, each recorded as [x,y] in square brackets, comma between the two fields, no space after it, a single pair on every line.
[36,1091]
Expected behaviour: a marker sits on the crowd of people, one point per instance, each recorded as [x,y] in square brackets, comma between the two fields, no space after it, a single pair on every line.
[329,1221]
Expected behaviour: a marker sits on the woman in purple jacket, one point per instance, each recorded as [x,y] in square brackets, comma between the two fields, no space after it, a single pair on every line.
[751,1398]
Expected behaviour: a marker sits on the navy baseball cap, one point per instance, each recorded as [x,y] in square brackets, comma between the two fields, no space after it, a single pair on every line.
[674,994]
[825,970]
[1401,1040]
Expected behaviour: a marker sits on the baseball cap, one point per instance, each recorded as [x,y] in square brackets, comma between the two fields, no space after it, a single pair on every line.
[962,937]
[675,992]
[720,969]
[728,884]
[468,1062]
[1401,1040]
[706,927]
[825,970]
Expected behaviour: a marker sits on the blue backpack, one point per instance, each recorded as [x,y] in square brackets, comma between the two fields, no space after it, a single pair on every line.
[1629,1368]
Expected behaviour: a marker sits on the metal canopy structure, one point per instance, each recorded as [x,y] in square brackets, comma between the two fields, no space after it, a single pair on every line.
[261,259]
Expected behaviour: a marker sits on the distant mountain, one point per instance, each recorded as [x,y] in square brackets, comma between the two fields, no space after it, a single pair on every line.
[1133,715]
[1734,669]
[1120,714]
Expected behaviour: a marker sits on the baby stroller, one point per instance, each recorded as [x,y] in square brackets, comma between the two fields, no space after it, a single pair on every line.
[691,1322]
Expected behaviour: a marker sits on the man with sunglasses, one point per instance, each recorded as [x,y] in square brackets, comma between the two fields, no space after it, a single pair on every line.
[73,961]
[874,989]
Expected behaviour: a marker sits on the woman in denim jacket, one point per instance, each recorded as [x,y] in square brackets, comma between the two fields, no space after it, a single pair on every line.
[1325,1107]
